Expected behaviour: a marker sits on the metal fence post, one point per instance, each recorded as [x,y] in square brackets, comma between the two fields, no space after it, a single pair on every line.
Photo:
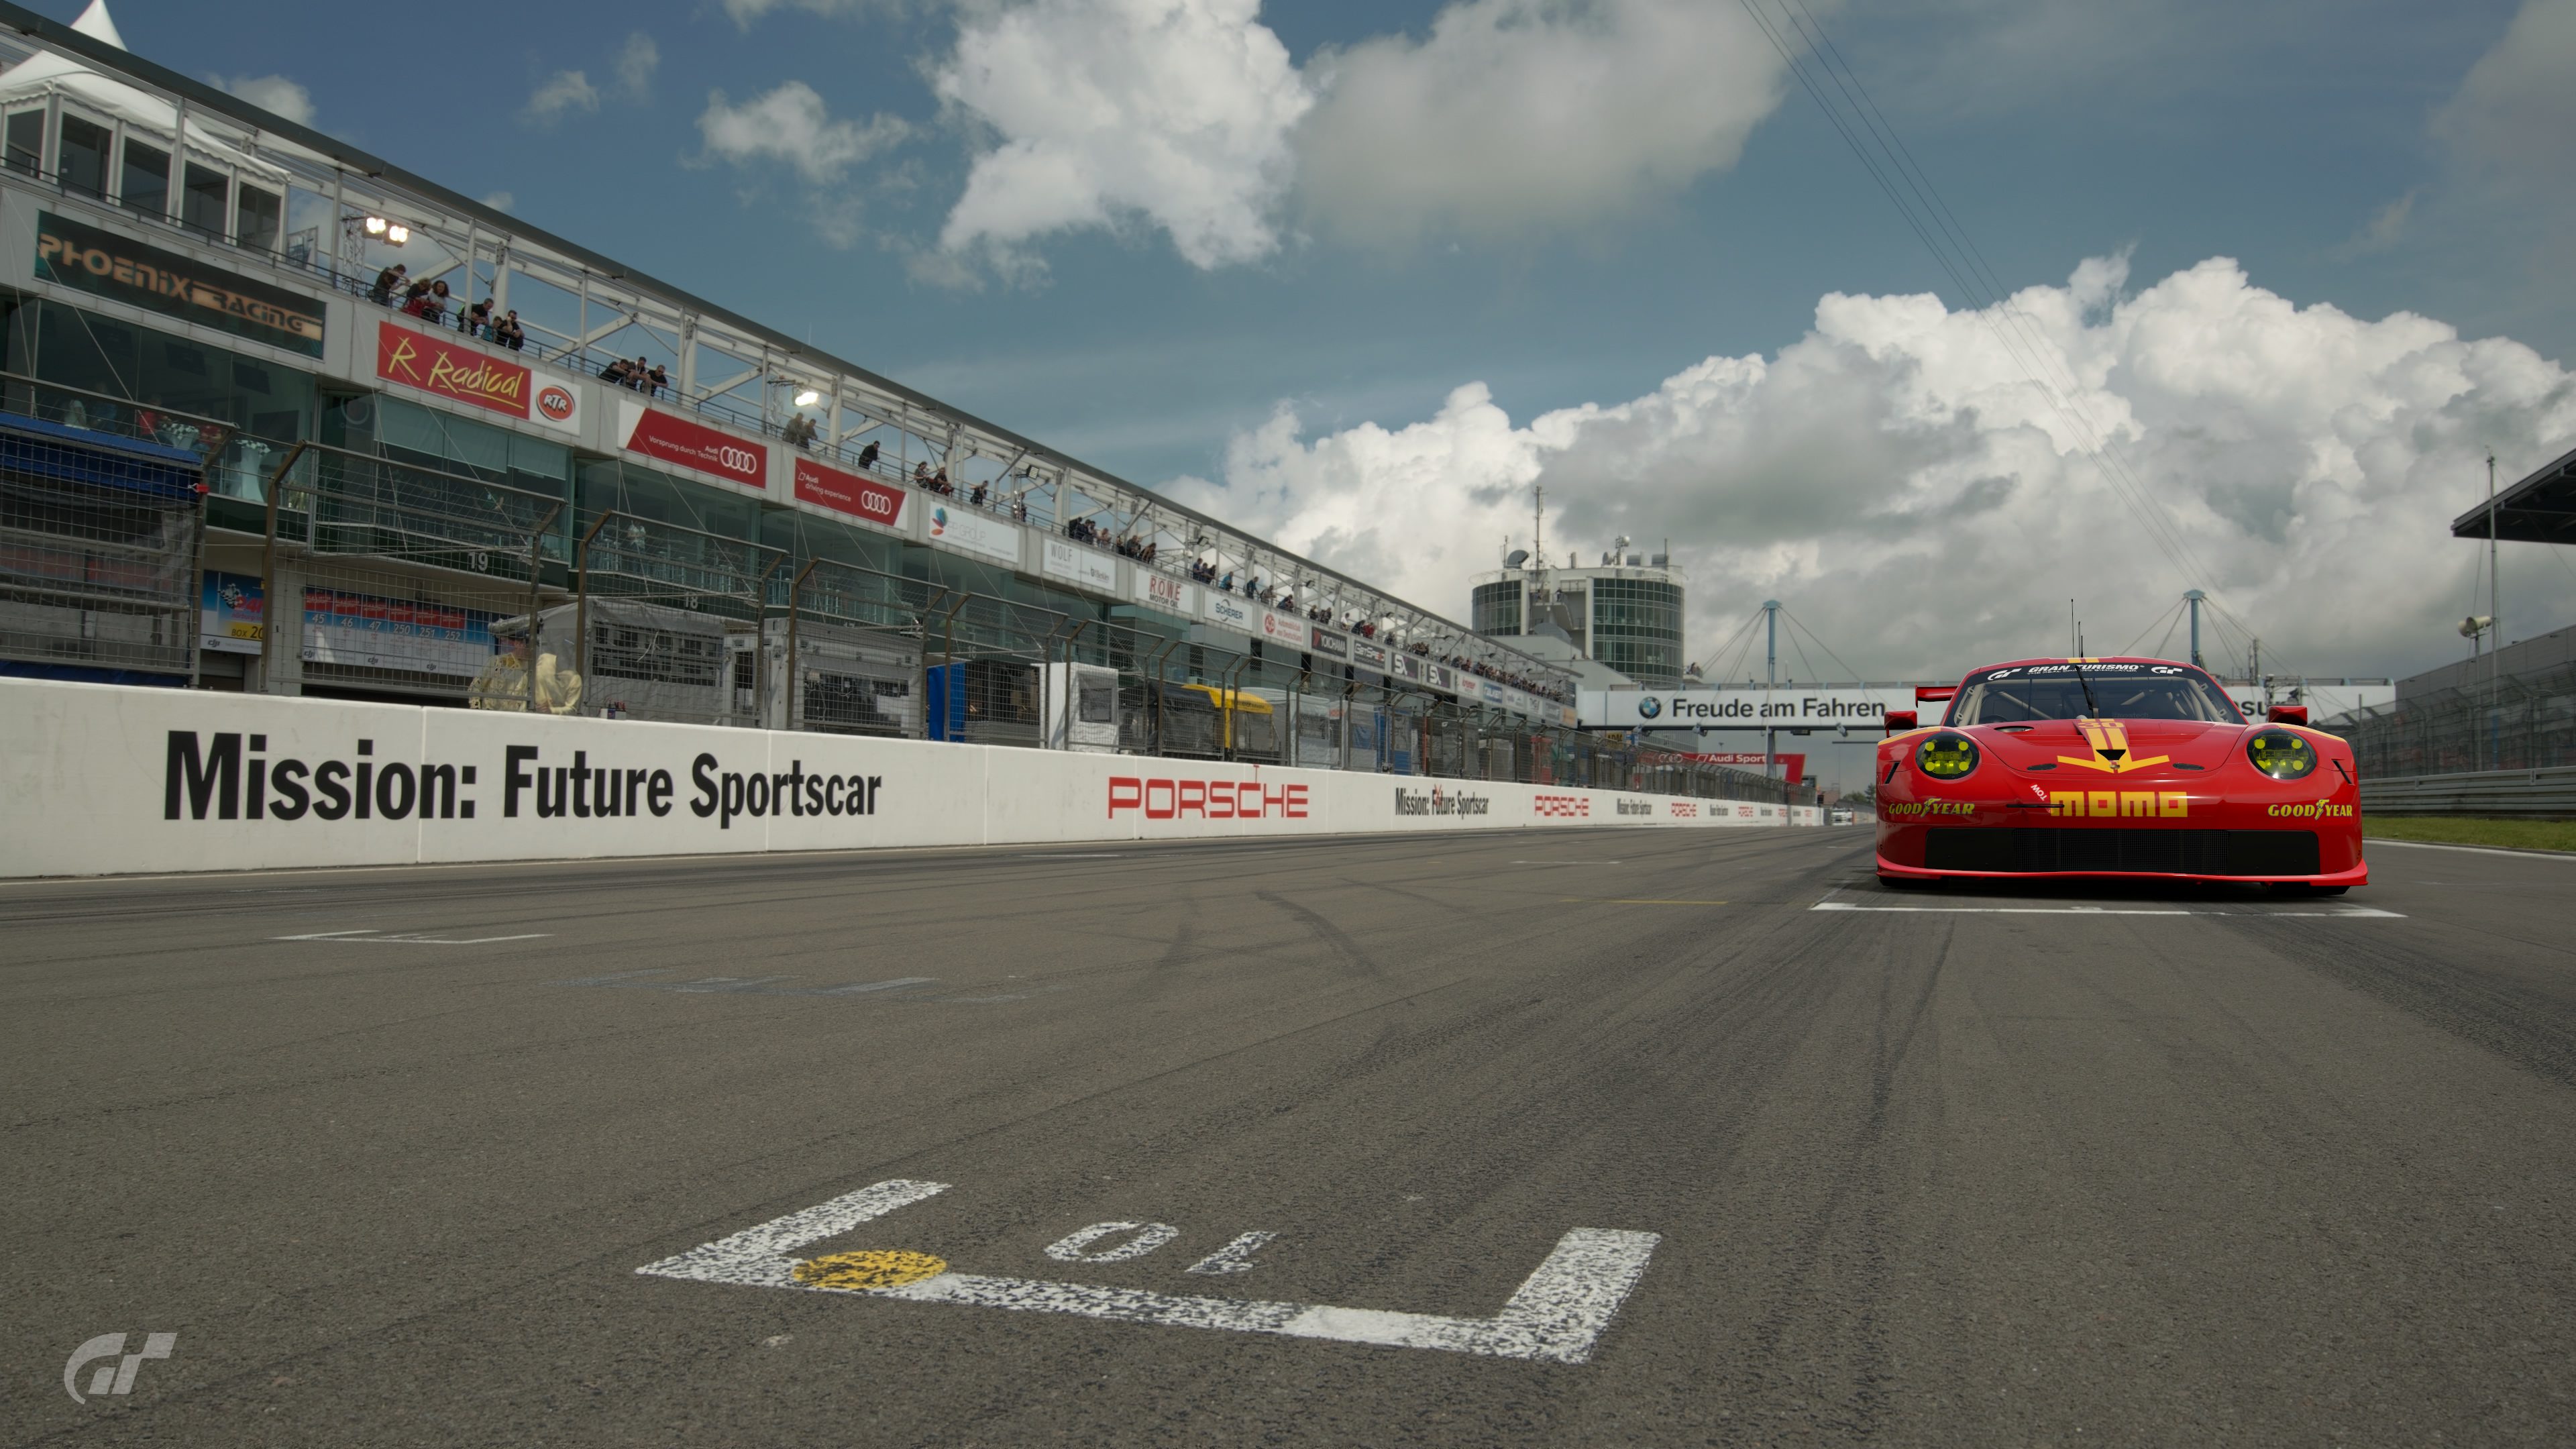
[268,566]
[580,615]
[795,607]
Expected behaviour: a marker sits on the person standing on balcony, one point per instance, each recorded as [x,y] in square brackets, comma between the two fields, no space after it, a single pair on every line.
[388,281]
[868,455]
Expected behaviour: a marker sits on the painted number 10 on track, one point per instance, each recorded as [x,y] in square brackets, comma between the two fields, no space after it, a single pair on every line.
[1557,1315]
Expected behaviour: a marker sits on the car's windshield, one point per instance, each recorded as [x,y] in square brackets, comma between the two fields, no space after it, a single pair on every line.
[2120,691]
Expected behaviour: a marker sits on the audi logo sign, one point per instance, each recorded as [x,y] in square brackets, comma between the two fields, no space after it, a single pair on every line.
[674,439]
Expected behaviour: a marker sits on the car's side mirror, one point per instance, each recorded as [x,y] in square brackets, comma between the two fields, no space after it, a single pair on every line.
[2296,714]
[1899,720]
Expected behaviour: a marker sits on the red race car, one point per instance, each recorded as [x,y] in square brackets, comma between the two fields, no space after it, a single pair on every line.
[2114,767]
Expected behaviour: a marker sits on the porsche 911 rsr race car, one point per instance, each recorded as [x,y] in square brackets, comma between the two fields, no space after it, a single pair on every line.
[2114,767]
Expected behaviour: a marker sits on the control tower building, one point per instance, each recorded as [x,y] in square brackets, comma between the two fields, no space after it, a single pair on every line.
[1624,614]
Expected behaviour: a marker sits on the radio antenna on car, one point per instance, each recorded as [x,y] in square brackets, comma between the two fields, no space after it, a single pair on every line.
[2090,707]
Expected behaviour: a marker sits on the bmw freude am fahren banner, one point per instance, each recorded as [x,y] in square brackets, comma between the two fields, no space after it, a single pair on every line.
[1740,708]
[1754,707]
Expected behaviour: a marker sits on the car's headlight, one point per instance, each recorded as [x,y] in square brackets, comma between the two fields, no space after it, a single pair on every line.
[2282,755]
[1946,757]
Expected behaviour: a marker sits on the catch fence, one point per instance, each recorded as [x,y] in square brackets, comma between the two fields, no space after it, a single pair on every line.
[2517,722]
[417,582]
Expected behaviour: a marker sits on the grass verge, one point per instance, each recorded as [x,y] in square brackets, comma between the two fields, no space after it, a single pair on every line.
[2468,830]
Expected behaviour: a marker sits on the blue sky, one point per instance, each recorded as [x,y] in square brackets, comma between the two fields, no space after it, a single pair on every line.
[2354,158]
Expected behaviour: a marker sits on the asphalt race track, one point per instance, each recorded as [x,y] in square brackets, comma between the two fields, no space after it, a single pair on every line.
[384,1150]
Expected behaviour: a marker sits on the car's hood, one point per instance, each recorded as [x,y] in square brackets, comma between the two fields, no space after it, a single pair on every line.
[2121,745]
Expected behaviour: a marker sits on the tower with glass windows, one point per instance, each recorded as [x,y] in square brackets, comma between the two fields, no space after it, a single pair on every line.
[1625,613]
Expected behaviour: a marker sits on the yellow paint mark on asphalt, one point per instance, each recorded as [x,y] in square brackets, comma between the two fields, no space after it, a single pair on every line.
[1617,901]
[867,1270]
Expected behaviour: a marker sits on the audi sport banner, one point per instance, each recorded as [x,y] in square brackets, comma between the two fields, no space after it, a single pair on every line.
[670,438]
[463,372]
[850,493]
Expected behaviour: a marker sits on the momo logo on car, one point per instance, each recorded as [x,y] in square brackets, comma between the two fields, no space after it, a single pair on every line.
[1182,799]
[2115,804]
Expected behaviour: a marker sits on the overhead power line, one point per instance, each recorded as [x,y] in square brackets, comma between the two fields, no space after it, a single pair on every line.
[1827,76]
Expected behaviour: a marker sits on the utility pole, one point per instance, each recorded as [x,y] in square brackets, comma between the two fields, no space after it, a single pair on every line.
[2193,598]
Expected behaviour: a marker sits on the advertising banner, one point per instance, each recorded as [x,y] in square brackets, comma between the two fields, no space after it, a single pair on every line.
[381,633]
[670,438]
[1283,629]
[1368,654]
[967,531]
[1742,707]
[1329,644]
[1077,564]
[1169,594]
[851,493]
[462,372]
[232,612]
[1232,612]
[104,264]
[104,779]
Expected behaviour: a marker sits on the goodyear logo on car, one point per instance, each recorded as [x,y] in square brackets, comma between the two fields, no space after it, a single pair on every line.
[2314,810]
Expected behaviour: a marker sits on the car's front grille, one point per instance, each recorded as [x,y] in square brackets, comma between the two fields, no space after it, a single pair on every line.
[2157,852]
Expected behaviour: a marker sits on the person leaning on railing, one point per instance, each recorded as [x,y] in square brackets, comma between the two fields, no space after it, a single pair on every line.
[388,281]
[799,431]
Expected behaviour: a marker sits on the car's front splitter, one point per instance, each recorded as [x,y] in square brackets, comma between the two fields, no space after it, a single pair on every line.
[1890,870]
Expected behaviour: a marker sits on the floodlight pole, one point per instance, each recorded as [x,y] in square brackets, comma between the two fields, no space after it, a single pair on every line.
[2193,598]
[2495,613]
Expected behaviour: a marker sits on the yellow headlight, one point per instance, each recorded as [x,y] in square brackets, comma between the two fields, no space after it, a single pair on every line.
[2282,755]
[1946,757]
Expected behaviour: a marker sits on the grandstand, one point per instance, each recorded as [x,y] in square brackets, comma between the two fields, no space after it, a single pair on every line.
[480,464]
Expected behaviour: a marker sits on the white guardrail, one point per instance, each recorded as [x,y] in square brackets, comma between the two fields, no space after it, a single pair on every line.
[2542,794]
[106,779]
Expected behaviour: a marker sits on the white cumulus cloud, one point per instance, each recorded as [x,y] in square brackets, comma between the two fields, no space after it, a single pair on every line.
[635,62]
[1515,114]
[1175,113]
[790,125]
[273,93]
[1899,482]
[2516,108]
[565,90]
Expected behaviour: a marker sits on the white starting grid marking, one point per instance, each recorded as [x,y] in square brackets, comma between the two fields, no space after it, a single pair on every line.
[1557,1315]
[372,937]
